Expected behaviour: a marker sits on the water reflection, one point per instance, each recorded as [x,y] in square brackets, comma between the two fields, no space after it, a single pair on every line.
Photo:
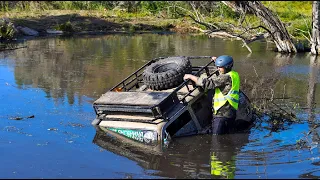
[224,150]
[314,130]
[190,157]
[314,71]
[281,60]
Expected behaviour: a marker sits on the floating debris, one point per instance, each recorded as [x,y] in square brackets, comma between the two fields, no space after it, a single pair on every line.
[11,129]
[52,129]
[69,141]
[75,124]
[43,144]
[20,118]
[16,118]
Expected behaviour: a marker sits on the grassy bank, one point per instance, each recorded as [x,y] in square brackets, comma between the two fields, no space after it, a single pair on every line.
[97,21]
[104,16]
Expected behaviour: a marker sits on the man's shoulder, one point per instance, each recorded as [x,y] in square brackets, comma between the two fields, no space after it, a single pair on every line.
[225,76]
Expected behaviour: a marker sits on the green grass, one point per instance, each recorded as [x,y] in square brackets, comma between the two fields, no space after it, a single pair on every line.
[290,10]
[297,15]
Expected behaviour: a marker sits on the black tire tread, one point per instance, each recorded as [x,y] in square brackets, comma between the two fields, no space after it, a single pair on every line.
[169,78]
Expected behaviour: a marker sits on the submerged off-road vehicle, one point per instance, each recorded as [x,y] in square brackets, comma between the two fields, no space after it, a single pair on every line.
[154,103]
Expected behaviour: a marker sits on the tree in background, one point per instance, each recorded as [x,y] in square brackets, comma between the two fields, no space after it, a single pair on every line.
[274,26]
[315,40]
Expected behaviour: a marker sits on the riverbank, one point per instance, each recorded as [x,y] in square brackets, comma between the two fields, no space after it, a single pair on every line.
[119,16]
[99,22]
[96,22]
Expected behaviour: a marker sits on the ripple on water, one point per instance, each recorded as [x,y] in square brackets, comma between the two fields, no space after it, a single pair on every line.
[277,155]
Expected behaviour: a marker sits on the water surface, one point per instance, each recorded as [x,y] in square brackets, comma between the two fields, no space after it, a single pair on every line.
[56,80]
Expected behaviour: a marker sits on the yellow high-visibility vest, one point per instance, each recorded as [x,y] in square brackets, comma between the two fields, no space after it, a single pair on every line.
[233,95]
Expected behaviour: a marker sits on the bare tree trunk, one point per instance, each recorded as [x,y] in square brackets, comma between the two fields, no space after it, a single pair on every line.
[278,31]
[315,41]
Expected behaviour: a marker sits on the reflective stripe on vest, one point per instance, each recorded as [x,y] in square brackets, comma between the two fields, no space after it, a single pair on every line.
[233,95]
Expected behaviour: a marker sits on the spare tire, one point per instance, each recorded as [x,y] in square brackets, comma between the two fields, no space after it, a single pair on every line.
[166,73]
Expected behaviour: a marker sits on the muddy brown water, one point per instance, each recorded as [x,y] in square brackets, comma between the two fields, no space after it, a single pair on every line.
[47,90]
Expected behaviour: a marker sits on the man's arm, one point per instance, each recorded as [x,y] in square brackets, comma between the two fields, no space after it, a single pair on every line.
[209,83]
[214,81]
[190,76]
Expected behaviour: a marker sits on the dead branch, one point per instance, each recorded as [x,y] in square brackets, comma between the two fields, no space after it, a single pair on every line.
[279,34]
[264,104]
[201,30]
[207,25]
[194,9]
[6,49]
[225,34]
[214,31]
[210,26]
[260,26]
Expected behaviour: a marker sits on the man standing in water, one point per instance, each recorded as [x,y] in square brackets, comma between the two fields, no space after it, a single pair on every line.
[226,84]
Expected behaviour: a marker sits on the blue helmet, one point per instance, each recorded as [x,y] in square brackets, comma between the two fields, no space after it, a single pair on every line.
[224,61]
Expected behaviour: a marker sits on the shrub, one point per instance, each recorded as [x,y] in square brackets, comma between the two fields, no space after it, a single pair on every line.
[7,30]
[66,27]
